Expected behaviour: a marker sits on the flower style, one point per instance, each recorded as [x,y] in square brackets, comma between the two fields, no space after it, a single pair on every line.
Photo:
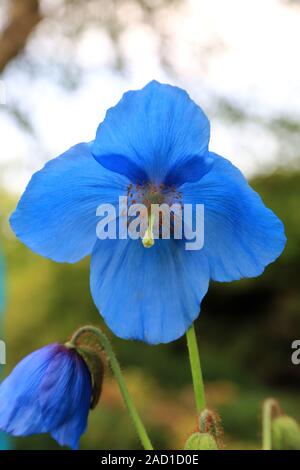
[152,146]
[49,391]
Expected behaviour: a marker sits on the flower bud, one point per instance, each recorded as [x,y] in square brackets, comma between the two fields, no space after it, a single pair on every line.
[201,441]
[209,422]
[209,432]
[50,390]
[285,434]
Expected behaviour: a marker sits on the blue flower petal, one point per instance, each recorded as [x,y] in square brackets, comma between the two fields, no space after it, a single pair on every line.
[56,216]
[124,166]
[19,413]
[189,171]
[156,128]
[152,295]
[65,397]
[242,235]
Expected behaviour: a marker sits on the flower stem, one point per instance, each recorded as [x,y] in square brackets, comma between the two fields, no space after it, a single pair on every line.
[133,413]
[270,407]
[196,369]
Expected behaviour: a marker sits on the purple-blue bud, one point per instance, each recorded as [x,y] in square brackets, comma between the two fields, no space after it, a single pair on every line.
[49,391]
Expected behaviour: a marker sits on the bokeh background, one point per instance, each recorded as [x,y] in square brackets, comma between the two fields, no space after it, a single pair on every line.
[62,64]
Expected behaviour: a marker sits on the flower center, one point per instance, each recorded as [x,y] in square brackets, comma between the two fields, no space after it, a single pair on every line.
[148,195]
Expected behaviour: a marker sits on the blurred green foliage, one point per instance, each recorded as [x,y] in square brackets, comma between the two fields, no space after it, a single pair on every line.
[245,333]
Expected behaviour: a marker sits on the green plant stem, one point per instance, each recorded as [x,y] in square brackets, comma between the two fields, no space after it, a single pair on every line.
[196,369]
[138,424]
[270,406]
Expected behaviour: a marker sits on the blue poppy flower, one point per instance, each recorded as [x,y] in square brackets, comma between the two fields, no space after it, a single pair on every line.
[155,137]
[49,391]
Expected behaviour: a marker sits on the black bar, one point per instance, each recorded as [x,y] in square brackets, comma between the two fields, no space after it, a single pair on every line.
[132,459]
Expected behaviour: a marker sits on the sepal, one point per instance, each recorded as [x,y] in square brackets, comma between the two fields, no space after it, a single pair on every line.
[89,348]
[201,441]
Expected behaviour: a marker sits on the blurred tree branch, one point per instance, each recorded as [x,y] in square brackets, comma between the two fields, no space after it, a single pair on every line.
[24,15]
[63,24]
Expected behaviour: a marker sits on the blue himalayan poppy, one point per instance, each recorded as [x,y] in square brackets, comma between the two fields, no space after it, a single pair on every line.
[154,137]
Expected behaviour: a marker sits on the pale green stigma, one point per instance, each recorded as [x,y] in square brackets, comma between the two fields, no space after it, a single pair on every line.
[148,238]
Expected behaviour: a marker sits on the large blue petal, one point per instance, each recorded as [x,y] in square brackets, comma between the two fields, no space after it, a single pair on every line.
[19,413]
[156,128]
[56,216]
[151,295]
[242,235]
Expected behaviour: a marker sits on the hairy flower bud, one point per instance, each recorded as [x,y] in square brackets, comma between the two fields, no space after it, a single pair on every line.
[209,432]
[285,434]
